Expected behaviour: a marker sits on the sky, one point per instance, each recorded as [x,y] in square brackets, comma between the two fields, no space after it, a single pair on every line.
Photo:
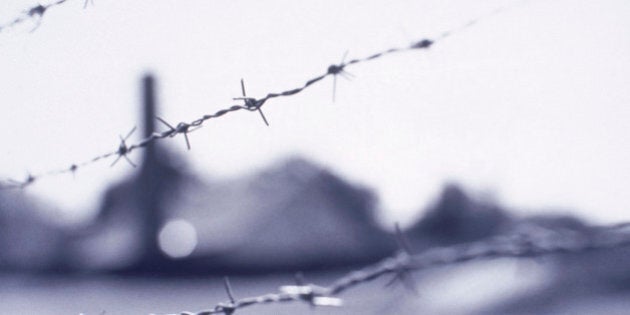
[528,106]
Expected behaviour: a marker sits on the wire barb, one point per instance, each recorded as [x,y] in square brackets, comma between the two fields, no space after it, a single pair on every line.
[403,274]
[422,44]
[123,149]
[182,128]
[37,11]
[227,308]
[29,180]
[339,69]
[252,103]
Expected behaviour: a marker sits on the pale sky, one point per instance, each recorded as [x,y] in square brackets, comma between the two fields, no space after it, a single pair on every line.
[530,105]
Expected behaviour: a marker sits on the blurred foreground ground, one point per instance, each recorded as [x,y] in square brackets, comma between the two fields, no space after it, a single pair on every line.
[447,291]
[314,222]
[473,288]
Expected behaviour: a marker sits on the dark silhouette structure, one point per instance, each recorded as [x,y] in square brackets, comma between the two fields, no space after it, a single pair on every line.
[156,181]
[455,218]
[293,216]
[132,212]
[29,241]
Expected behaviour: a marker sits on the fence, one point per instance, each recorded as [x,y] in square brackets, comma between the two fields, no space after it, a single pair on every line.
[400,265]
[520,245]
[249,103]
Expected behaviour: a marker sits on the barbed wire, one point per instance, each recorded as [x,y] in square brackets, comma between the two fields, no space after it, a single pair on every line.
[36,13]
[531,244]
[400,265]
[249,103]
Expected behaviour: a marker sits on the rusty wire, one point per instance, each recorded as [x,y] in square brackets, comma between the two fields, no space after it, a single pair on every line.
[249,103]
[518,245]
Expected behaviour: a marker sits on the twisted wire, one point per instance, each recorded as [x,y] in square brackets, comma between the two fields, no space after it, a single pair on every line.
[36,13]
[518,245]
[250,104]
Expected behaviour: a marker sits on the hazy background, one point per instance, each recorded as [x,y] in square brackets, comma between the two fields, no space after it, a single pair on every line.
[529,105]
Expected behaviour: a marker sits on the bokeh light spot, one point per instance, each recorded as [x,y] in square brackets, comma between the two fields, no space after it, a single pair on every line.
[178,238]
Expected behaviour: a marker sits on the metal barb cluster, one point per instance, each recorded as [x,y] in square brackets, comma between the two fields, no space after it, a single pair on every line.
[182,128]
[403,274]
[339,69]
[532,244]
[123,149]
[250,103]
[423,44]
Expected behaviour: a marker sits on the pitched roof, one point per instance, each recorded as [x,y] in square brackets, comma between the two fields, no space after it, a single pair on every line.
[295,214]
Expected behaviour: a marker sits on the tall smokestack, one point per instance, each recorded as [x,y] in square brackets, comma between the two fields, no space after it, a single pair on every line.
[150,182]
[148,117]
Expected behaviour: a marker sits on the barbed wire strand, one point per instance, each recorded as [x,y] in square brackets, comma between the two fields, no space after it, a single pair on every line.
[404,261]
[249,103]
[37,13]
[518,245]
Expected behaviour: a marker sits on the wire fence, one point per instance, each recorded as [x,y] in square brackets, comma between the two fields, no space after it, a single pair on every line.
[404,262]
[529,244]
[248,103]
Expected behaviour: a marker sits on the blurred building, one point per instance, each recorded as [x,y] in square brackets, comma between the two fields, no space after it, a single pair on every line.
[585,282]
[164,219]
[293,216]
[29,239]
[457,217]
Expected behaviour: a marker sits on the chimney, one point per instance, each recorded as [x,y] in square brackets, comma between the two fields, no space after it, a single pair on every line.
[150,186]
[148,119]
